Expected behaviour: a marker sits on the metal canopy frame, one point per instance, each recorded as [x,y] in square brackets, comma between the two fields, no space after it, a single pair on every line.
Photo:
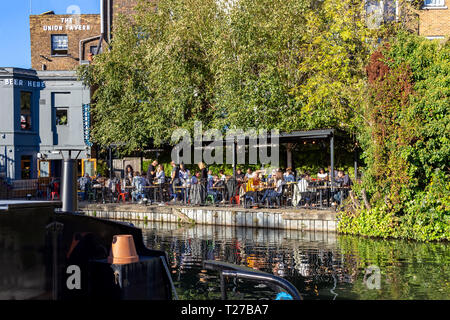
[286,137]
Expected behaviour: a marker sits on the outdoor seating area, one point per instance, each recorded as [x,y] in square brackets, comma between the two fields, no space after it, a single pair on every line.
[254,189]
[276,189]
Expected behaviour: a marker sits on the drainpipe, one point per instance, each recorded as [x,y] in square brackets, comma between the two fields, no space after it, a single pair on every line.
[108,25]
[102,25]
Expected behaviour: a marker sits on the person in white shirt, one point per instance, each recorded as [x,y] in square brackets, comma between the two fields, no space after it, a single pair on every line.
[184,174]
[250,174]
[322,175]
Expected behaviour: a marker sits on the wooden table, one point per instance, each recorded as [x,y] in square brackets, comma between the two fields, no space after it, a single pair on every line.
[222,188]
[320,188]
[154,187]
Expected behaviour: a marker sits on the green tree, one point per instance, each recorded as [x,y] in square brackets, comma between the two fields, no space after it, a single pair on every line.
[286,64]
[405,137]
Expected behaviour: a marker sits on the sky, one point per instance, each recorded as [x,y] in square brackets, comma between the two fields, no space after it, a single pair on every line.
[15,25]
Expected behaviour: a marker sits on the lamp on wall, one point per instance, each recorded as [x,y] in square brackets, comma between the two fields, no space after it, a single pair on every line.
[41,156]
[44,57]
[71,56]
[88,153]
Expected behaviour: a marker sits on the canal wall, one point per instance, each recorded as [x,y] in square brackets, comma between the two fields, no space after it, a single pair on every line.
[297,238]
[286,219]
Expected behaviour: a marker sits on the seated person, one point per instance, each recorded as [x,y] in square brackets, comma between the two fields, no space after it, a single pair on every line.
[240,175]
[195,178]
[144,179]
[145,183]
[274,193]
[322,175]
[271,177]
[249,175]
[289,175]
[111,184]
[343,180]
[329,173]
[222,175]
[209,187]
[210,174]
[85,182]
[305,194]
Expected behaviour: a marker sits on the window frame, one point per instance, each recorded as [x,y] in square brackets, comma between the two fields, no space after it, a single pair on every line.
[23,171]
[28,116]
[95,49]
[56,54]
[66,109]
[426,5]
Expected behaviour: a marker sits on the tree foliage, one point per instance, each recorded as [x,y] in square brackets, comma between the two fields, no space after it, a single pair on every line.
[286,64]
[406,141]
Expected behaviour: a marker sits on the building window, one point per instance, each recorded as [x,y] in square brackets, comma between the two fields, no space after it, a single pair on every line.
[25,167]
[434,3]
[60,45]
[61,117]
[93,49]
[25,110]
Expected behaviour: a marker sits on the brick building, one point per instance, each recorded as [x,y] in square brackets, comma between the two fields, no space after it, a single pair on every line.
[62,42]
[434,19]
[428,18]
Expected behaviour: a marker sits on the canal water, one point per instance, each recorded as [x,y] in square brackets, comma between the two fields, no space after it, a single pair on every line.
[321,265]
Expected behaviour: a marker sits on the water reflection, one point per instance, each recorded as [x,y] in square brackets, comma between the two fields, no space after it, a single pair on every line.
[320,265]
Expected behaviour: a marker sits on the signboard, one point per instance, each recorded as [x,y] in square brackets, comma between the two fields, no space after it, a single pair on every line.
[87,124]
[23,83]
[44,169]
[68,24]
[88,166]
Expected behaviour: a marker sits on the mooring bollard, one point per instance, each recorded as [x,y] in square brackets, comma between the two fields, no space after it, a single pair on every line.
[69,186]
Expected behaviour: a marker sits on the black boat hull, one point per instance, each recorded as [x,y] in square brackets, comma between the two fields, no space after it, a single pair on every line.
[53,255]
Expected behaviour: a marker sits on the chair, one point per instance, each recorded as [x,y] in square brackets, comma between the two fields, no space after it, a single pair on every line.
[195,196]
[209,198]
[250,197]
[91,193]
[278,199]
[120,193]
[236,199]
[55,191]
[233,191]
